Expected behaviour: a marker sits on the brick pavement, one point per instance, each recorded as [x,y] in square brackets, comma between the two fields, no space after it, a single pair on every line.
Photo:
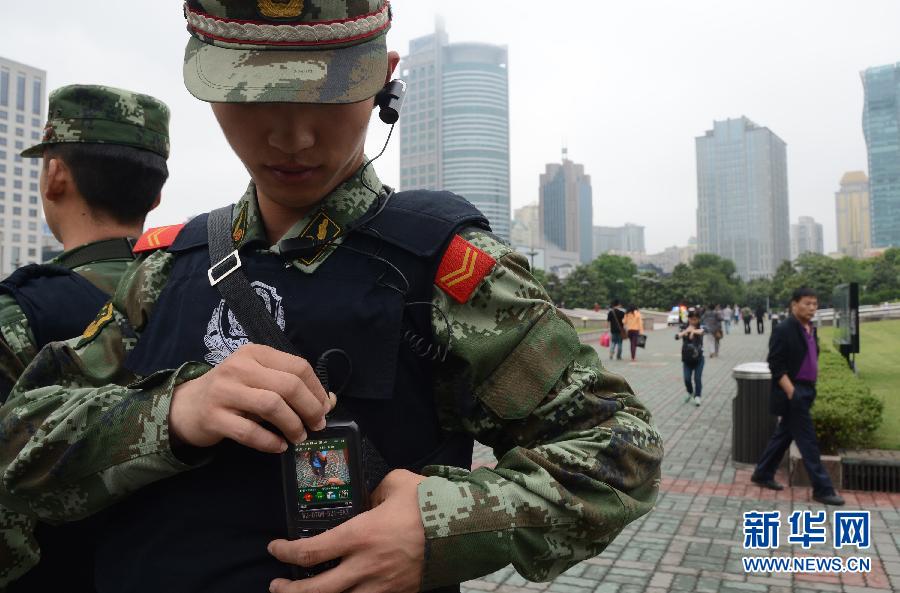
[692,540]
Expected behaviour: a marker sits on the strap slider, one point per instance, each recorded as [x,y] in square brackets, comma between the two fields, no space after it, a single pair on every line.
[219,272]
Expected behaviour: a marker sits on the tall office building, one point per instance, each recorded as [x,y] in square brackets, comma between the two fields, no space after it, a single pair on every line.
[454,131]
[566,208]
[22,100]
[742,196]
[619,239]
[806,237]
[854,227]
[881,125]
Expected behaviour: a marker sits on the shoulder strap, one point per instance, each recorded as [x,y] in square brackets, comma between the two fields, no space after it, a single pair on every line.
[121,248]
[226,275]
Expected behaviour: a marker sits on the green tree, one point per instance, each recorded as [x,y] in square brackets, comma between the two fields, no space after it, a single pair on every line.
[615,275]
[820,273]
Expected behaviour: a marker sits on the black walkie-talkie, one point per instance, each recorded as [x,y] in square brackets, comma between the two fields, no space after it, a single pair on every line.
[324,484]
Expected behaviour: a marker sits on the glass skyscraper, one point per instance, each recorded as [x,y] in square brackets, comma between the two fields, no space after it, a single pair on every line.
[742,197]
[22,117]
[566,208]
[454,131]
[881,125]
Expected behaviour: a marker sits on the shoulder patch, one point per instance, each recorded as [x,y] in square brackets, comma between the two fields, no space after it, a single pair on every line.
[463,267]
[158,238]
[105,315]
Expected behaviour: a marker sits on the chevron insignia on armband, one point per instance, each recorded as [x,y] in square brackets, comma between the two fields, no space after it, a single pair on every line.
[463,268]
[158,238]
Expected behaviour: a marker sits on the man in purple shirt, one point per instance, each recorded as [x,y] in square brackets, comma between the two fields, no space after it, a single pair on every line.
[794,363]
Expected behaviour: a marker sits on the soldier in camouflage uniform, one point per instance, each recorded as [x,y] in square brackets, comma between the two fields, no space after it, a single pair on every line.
[96,138]
[92,425]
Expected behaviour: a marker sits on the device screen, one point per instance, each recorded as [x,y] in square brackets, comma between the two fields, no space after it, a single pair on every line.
[323,474]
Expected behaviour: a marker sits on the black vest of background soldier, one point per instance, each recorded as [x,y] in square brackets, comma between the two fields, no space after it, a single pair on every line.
[58,304]
[207,529]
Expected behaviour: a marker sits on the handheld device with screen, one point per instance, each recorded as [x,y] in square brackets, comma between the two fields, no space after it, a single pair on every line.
[324,482]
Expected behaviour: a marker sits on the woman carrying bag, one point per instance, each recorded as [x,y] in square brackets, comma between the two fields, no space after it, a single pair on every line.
[634,325]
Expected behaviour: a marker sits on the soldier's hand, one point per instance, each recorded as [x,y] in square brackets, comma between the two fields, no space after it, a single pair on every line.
[381,550]
[256,383]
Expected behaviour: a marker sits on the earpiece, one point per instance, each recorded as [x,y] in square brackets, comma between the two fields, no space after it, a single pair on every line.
[389,100]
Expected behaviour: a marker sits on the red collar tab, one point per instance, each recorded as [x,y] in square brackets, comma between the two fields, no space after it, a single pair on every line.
[158,238]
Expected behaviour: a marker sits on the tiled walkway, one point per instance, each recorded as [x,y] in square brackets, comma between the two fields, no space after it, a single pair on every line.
[693,540]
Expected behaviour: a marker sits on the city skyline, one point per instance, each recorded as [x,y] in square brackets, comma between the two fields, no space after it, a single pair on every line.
[632,121]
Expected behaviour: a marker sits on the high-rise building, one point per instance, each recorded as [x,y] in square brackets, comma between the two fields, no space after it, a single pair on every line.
[881,125]
[566,208]
[454,132]
[806,237]
[618,239]
[22,100]
[742,196]
[854,227]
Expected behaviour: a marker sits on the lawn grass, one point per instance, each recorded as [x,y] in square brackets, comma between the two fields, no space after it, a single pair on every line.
[878,364]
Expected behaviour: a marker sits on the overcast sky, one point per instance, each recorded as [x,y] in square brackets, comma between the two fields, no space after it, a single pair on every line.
[626,86]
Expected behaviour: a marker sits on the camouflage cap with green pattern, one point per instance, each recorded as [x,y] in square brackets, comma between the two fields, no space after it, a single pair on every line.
[298,51]
[95,114]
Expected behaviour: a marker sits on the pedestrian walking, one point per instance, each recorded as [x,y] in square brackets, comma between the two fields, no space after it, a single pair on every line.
[615,320]
[727,314]
[692,360]
[760,320]
[747,316]
[793,361]
[712,323]
[634,325]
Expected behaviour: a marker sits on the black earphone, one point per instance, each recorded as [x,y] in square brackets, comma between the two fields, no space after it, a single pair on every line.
[390,101]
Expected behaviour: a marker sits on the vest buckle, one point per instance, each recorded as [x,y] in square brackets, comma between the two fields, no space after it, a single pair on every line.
[219,271]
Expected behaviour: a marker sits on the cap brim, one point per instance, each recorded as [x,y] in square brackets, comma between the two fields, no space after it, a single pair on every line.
[345,75]
[34,152]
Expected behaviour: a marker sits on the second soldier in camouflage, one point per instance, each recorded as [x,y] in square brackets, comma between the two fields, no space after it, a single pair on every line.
[104,152]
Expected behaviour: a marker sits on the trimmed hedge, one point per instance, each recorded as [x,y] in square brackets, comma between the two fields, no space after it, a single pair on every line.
[846,414]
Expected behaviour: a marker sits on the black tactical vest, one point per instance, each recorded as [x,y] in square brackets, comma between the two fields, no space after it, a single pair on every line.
[206,530]
[58,304]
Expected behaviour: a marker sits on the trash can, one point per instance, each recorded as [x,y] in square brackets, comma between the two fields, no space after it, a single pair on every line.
[752,425]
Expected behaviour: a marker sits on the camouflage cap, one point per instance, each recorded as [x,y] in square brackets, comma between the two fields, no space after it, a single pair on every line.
[104,115]
[297,51]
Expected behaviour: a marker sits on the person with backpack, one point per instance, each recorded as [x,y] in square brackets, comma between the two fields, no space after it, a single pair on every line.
[615,319]
[692,357]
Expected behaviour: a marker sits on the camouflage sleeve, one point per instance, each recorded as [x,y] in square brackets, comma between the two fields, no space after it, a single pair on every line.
[16,344]
[578,454]
[78,432]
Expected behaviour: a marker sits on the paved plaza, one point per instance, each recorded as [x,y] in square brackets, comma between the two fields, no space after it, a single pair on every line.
[693,540]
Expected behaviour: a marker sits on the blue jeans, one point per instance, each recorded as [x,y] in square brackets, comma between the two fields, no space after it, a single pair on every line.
[697,372]
[615,341]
